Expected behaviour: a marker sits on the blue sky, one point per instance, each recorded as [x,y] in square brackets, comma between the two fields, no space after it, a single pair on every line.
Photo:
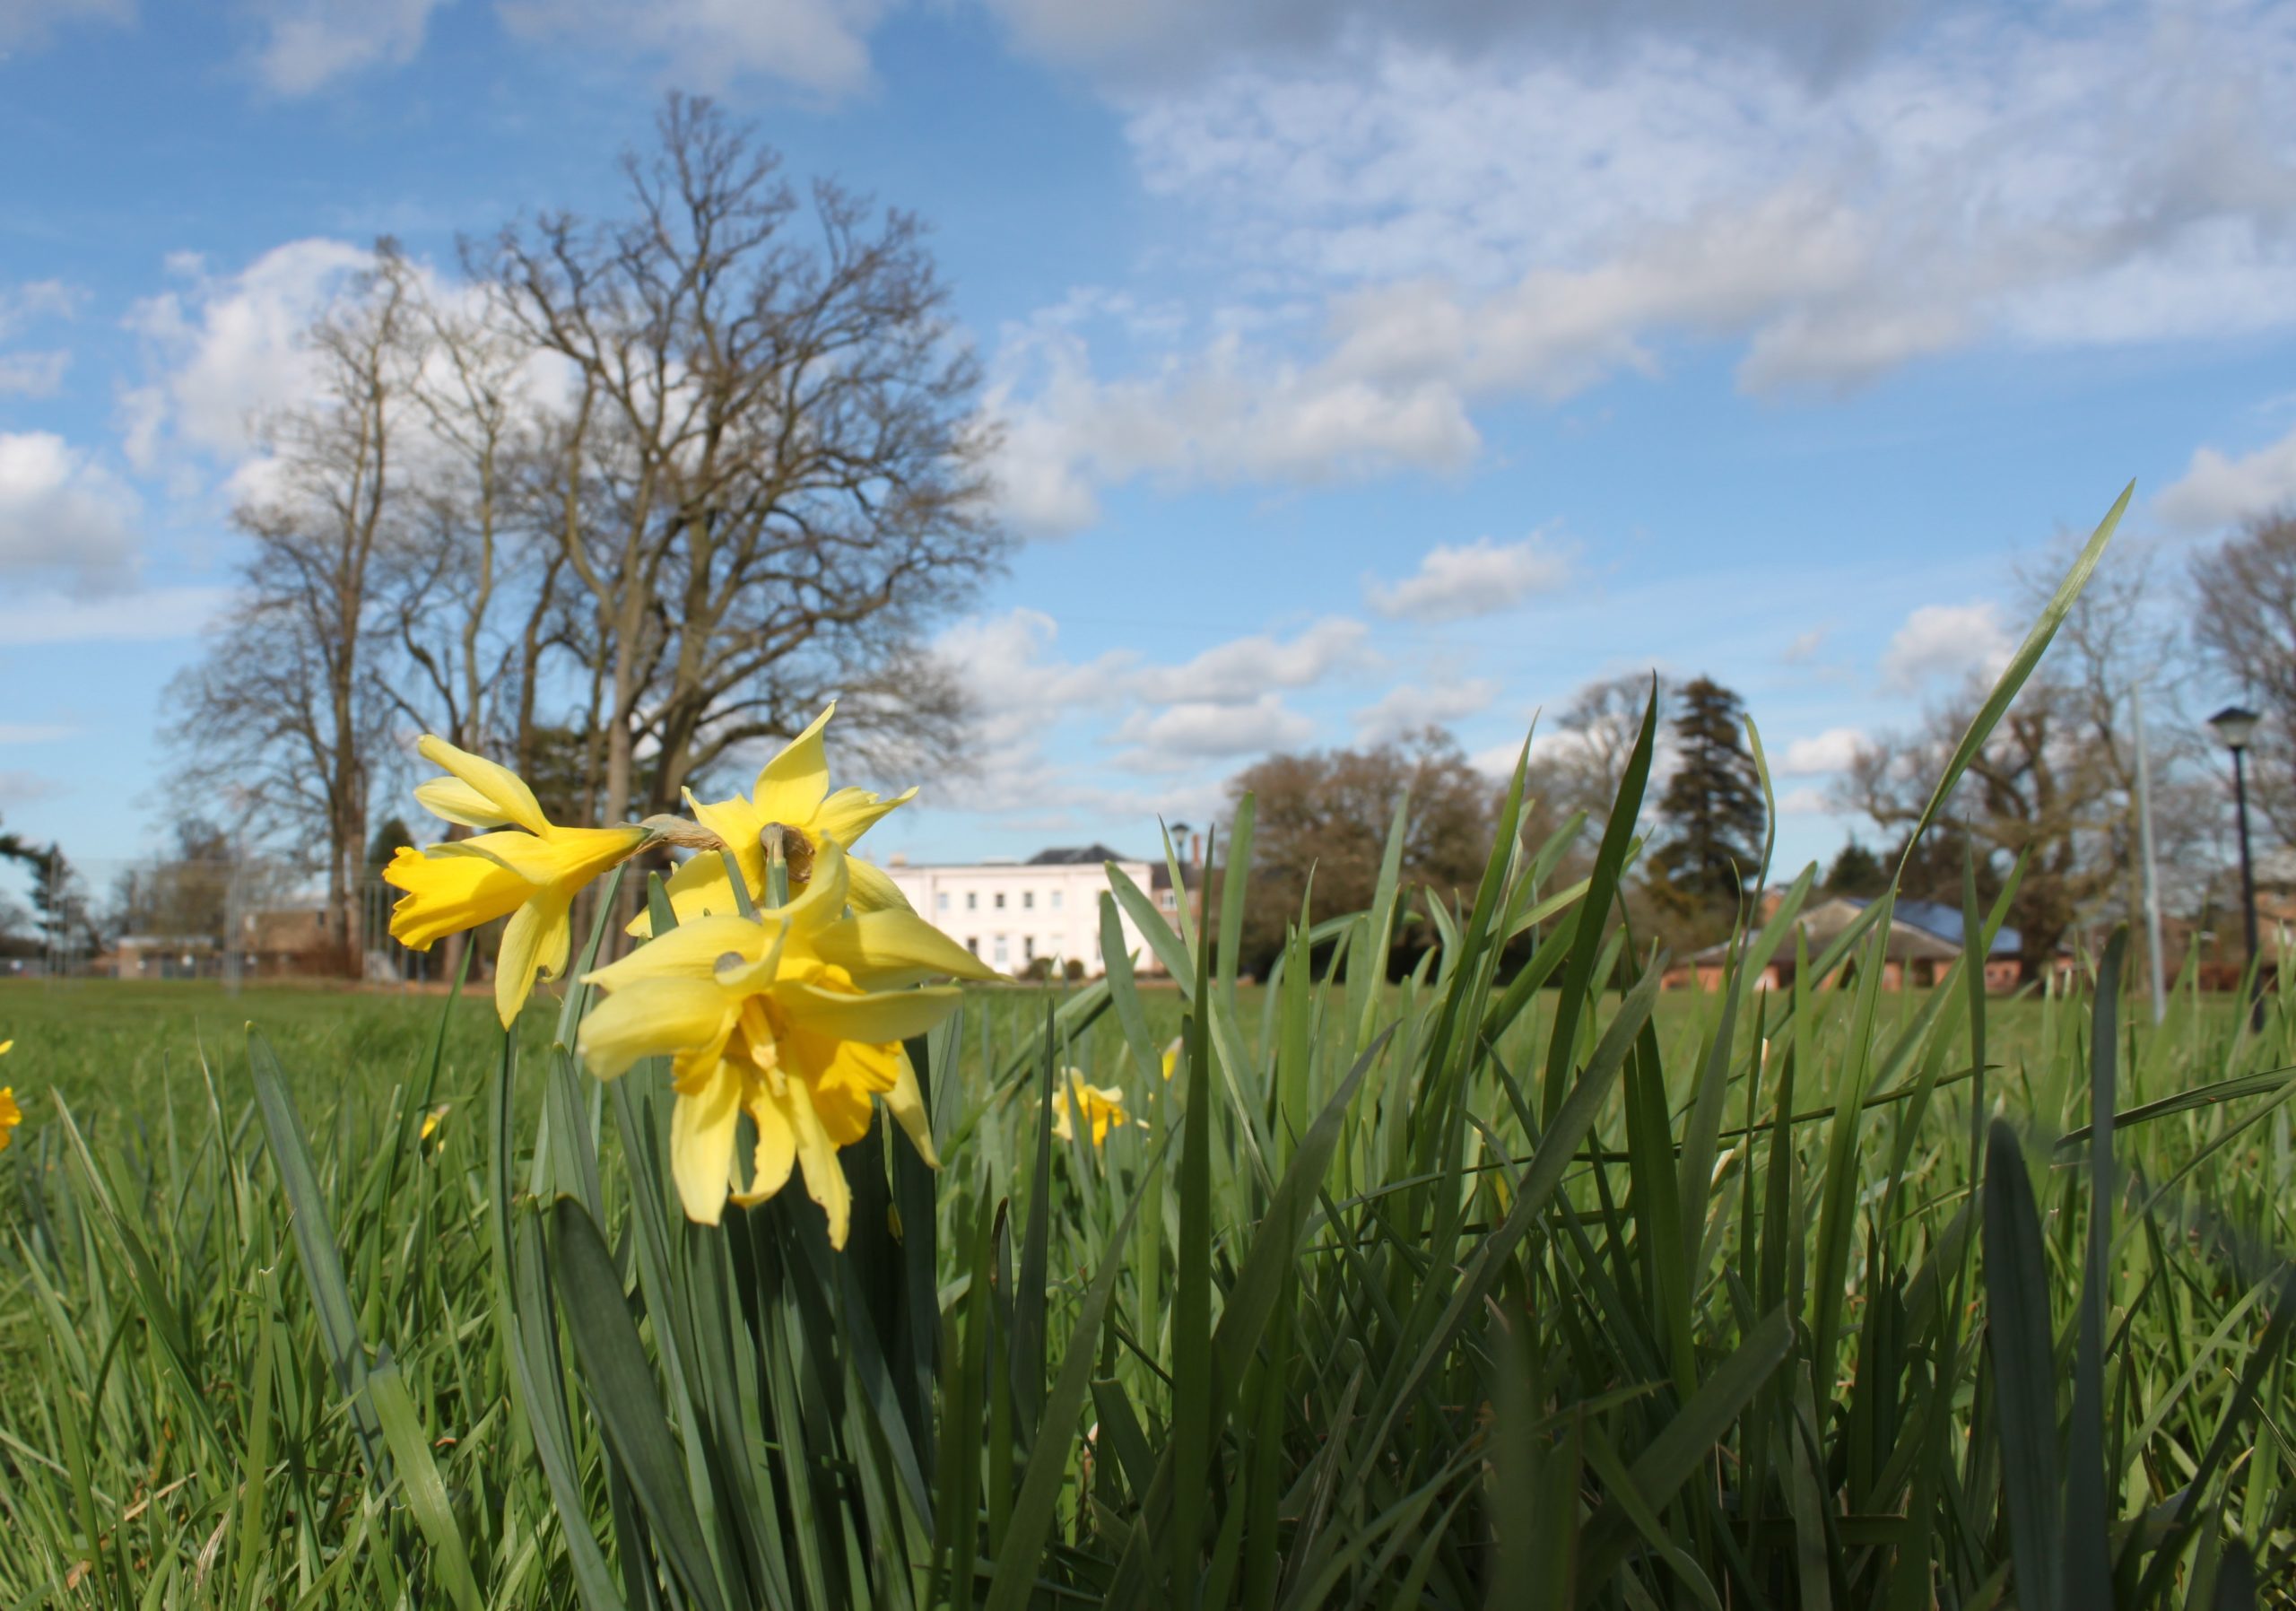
[1354,372]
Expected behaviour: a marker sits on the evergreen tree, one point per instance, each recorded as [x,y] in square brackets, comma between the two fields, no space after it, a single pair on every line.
[1855,871]
[1712,816]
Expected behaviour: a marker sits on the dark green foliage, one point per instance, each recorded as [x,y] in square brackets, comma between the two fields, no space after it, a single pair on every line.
[1712,816]
[1854,871]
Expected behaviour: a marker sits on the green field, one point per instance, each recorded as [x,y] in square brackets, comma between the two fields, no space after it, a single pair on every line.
[1765,1360]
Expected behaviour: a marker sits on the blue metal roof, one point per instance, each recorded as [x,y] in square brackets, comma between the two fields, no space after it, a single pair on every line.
[1934,917]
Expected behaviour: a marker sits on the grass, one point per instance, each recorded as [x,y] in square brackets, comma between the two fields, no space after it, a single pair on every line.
[1520,1287]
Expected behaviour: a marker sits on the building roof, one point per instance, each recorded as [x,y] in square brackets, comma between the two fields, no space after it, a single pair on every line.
[1936,918]
[1074,855]
[1825,921]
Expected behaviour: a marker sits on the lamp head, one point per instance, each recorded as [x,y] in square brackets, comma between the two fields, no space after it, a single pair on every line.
[2233,727]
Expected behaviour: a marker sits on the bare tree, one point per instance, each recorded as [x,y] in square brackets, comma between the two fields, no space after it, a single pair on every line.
[2057,782]
[473,578]
[2244,623]
[283,711]
[769,480]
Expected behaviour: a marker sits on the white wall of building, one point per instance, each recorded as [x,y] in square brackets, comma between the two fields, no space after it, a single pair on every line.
[1009,913]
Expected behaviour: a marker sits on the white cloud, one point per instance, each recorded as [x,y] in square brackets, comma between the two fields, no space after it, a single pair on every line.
[1945,640]
[1156,42]
[20,732]
[1180,736]
[1413,230]
[34,373]
[1480,578]
[308,44]
[820,45]
[1537,219]
[23,788]
[229,348]
[2217,491]
[28,23]
[62,514]
[1228,414]
[1408,707]
[1021,690]
[1804,802]
[1237,672]
[1805,645]
[1828,751]
[154,616]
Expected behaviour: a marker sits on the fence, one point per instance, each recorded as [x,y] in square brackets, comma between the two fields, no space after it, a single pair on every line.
[229,920]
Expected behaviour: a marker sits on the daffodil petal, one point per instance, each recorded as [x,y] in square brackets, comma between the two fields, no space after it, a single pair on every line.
[526,939]
[905,1102]
[566,856]
[822,900]
[776,1146]
[882,950]
[737,823]
[879,1017]
[456,801]
[791,785]
[702,1146]
[652,1018]
[446,894]
[849,812]
[870,889]
[513,800]
[846,1078]
[690,951]
[825,1180]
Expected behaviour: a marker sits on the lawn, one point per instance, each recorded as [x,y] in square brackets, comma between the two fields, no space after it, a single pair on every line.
[1642,1323]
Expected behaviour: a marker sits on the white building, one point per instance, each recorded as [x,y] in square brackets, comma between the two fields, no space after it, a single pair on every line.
[1010,914]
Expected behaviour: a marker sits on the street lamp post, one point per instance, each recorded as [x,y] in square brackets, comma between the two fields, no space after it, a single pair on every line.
[2233,727]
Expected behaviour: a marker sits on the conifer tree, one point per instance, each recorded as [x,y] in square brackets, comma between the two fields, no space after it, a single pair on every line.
[1711,815]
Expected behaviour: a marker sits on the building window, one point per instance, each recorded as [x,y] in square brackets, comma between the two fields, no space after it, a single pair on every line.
[1028,900]
[1029,948]
[1056,899]
[1003,954]
[942,900]
[1000,899]
[972,944]
[972,900]
[1171,902]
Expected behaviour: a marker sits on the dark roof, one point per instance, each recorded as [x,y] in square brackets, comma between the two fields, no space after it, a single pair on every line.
[1075,856]
[1159,875]
[1827,919]
[1934,917]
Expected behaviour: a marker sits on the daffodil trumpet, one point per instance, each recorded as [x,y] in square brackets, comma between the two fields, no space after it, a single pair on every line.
[793,1018]
[792,794]
[526,867]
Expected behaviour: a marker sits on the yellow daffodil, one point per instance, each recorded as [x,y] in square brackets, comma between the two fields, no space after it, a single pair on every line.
[795,1018]
[1171,1057]
[1102,1107]
[528,872]
[431,1122]
[11,1115]
[793,790]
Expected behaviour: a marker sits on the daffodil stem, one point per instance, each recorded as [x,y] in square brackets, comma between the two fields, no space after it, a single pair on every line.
[777,866]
